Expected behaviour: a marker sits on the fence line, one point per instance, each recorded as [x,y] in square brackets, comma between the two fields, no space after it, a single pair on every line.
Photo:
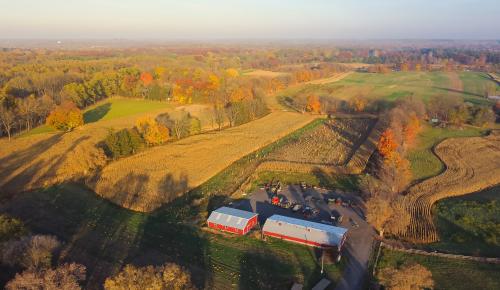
[443,255]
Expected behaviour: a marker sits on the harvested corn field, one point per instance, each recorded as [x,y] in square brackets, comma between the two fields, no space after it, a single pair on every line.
[471,165]
[331,143]
[145,181]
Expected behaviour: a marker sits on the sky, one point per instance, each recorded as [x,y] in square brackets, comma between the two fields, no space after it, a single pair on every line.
[252,19]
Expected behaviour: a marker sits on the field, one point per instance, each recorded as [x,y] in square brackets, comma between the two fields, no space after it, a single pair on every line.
[394,85]
[104,237]
[471,165]
[469,224]
[146,180]
[424,163]
[332,142]
[264,73]
[48,158]
[448,273]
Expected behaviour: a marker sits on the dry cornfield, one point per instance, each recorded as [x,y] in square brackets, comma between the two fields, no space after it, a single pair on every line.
[45,159]
[331,143]
[357,156]
[471,165]
[147,180]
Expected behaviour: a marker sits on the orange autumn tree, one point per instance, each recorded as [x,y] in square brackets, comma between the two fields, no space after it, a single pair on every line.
[313,104]
[146,78]
[65,117]
[152,132]
[387,144]
[411,130]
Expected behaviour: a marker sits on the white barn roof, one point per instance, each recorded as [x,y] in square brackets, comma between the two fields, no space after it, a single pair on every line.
[231,217]
[305,231]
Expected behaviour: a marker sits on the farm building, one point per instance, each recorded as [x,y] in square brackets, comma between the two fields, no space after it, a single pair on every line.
[232,220]
[304,232]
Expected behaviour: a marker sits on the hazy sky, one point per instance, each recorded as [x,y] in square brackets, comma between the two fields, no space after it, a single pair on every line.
[165,19]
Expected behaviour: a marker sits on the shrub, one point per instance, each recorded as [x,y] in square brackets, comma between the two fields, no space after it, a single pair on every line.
[123,143]
[31,252]
[11,228]
[168,276]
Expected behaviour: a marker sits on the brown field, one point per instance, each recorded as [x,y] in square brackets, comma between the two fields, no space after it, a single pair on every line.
[145,181]
[471,165]
[353,155]
[336,77]
[331,143]
[46,159]
[265,73]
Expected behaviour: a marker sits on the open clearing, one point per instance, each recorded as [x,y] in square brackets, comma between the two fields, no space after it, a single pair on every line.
[424,163]
[335,78]
[48,158]
[146,180]
[265,73]
[469,224]
[394,85]
[448,273]
[471,165]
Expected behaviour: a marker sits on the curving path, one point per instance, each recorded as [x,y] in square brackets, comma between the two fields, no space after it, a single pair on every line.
[472,164]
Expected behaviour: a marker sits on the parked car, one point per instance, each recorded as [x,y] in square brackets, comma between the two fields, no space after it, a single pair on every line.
[336,217]
[297,207]
[353,223]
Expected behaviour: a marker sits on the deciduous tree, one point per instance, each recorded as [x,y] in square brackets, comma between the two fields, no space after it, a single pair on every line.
[65,117]
[168,276]
[406,277]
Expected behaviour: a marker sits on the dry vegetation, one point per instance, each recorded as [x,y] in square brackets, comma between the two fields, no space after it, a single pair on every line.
[45,159]
[336,77]
[265,73]
[145,181]
[331,143]
[350,151]
[471,165]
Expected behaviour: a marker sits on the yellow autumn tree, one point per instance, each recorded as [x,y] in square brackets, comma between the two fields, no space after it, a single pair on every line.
[65,117]
[152,132]
[168,276]
[232,73]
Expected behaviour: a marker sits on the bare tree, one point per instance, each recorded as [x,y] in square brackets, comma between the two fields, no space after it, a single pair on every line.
[31,252]
[66,276]
[407,277]
[8,119]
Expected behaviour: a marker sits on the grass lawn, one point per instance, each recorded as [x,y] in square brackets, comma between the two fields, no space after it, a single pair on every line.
[104,237]
[469,224]
[107,110]
[424,163]
[394,85]
[448,274]
[120,107]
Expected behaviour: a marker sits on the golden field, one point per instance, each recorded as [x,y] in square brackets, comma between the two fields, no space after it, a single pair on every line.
[471,165]
[145,181]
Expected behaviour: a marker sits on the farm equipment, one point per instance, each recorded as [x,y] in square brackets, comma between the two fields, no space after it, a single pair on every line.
[309,212]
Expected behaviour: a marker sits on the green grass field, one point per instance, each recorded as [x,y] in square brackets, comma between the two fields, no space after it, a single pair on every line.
[120,107]
[424,163]
[104,237]
[448,274]
[107,110]
[469,224]
[394,85]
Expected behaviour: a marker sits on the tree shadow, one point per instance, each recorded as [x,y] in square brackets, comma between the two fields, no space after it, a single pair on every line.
[262,270]
[96,113]
[458,91]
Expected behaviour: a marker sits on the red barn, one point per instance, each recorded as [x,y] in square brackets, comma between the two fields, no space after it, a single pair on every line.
[232,220]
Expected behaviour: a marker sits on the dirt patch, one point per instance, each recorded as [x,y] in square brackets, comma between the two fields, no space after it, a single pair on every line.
[265,73]
[471,165]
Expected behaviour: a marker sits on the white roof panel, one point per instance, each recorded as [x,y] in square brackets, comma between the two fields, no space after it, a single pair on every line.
[231,217]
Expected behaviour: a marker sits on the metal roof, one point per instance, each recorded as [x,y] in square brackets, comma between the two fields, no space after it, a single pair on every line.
[231,217]
[305,230]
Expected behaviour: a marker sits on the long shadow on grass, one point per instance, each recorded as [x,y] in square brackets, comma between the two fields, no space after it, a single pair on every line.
[264,271]
[458,91]
[96,113]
